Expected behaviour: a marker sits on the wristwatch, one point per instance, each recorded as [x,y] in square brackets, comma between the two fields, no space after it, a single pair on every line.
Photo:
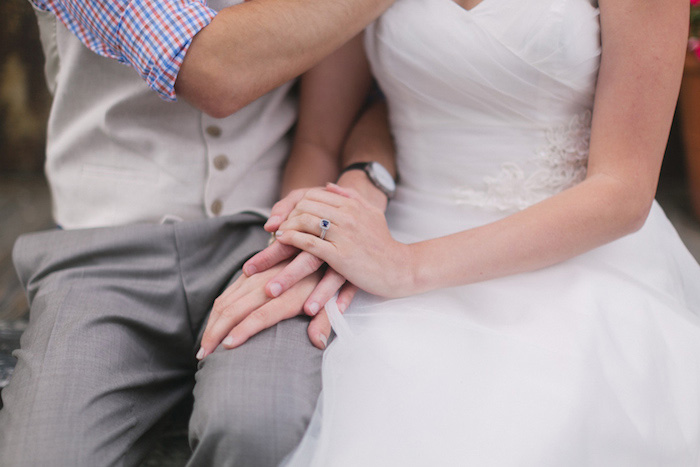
[378,175]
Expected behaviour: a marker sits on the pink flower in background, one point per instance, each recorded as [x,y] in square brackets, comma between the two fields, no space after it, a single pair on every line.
[694,37]
[694,45]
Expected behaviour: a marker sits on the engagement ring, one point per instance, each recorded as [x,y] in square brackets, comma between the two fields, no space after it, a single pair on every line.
[325,224]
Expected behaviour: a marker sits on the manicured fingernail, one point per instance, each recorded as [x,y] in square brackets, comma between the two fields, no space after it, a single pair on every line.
[279,233]
[313,308]
[249,269]
[200,354]
[275,289]
[228,342]
[323,339]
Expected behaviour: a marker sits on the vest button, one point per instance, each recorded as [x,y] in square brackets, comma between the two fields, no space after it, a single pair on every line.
[221,162]
[216,207]
[213,131]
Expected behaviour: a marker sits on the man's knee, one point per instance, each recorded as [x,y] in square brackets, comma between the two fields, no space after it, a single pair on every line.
[253,403]
[259,434]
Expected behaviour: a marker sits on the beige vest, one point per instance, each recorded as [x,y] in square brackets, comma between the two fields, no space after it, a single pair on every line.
[118,154]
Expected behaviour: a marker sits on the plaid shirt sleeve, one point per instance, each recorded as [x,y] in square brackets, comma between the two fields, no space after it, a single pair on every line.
[150,35]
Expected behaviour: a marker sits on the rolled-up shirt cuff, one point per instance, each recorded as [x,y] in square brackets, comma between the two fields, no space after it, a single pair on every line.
[156,48]
[152,36]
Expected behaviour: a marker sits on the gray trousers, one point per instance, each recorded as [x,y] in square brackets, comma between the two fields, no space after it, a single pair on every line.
[109,350]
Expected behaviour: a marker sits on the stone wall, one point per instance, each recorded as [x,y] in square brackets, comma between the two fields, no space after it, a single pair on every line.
[24,99]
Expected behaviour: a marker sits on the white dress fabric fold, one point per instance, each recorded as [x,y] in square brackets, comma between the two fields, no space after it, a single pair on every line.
[592,362]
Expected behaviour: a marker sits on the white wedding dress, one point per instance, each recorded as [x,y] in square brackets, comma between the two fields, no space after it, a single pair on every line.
[591,362]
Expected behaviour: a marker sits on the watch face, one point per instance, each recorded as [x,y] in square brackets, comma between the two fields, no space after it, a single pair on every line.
[383,177]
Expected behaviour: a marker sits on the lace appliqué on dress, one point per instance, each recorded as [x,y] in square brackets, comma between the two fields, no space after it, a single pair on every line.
[562,164]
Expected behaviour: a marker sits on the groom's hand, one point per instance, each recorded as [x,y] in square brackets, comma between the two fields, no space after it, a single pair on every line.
[302,263]
[300,267]
[244,309]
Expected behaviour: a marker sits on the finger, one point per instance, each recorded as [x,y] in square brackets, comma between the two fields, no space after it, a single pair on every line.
[229,313]
[319,330]
[312,224]
[282,208]
[270,256]
[300,267]
[304,222]
[347,192]
[232,293]
[325,196]
[324,291]
[315,208]
[321,249]
[264,317]
[345,296]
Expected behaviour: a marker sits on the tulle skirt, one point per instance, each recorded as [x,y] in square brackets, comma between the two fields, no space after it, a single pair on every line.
[594,361]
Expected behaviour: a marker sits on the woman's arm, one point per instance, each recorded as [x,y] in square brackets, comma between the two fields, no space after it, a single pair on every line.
[369,140]
[331,95]
[635,99]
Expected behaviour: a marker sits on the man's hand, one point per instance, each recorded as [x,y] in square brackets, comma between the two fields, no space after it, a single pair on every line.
[243,310]
[300,267]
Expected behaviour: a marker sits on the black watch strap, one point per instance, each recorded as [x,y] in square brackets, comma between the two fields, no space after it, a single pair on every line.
[355,166]
[366,168]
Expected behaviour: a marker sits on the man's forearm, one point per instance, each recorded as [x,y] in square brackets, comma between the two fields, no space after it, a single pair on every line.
[251,48]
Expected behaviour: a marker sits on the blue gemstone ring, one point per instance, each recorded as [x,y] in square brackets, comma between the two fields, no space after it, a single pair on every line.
[325,224]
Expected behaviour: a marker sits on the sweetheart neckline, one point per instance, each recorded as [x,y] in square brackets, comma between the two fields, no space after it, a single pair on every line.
[468,10]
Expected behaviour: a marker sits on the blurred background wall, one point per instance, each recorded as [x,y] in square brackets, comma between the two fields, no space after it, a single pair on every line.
[25,204]
[24,99]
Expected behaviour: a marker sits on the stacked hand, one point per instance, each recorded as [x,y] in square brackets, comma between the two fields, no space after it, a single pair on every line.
[285,279]
[274,288]
[243,310]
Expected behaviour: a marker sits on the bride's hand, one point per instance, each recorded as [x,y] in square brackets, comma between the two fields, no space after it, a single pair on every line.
[358,243]
[302,265]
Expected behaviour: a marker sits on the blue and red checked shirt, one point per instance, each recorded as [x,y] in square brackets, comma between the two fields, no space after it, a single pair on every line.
[150,35]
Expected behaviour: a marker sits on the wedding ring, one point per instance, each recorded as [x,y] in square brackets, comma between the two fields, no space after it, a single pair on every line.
[325,224]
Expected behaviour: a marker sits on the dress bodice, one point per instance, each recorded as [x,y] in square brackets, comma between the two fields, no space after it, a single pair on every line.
[502,115]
